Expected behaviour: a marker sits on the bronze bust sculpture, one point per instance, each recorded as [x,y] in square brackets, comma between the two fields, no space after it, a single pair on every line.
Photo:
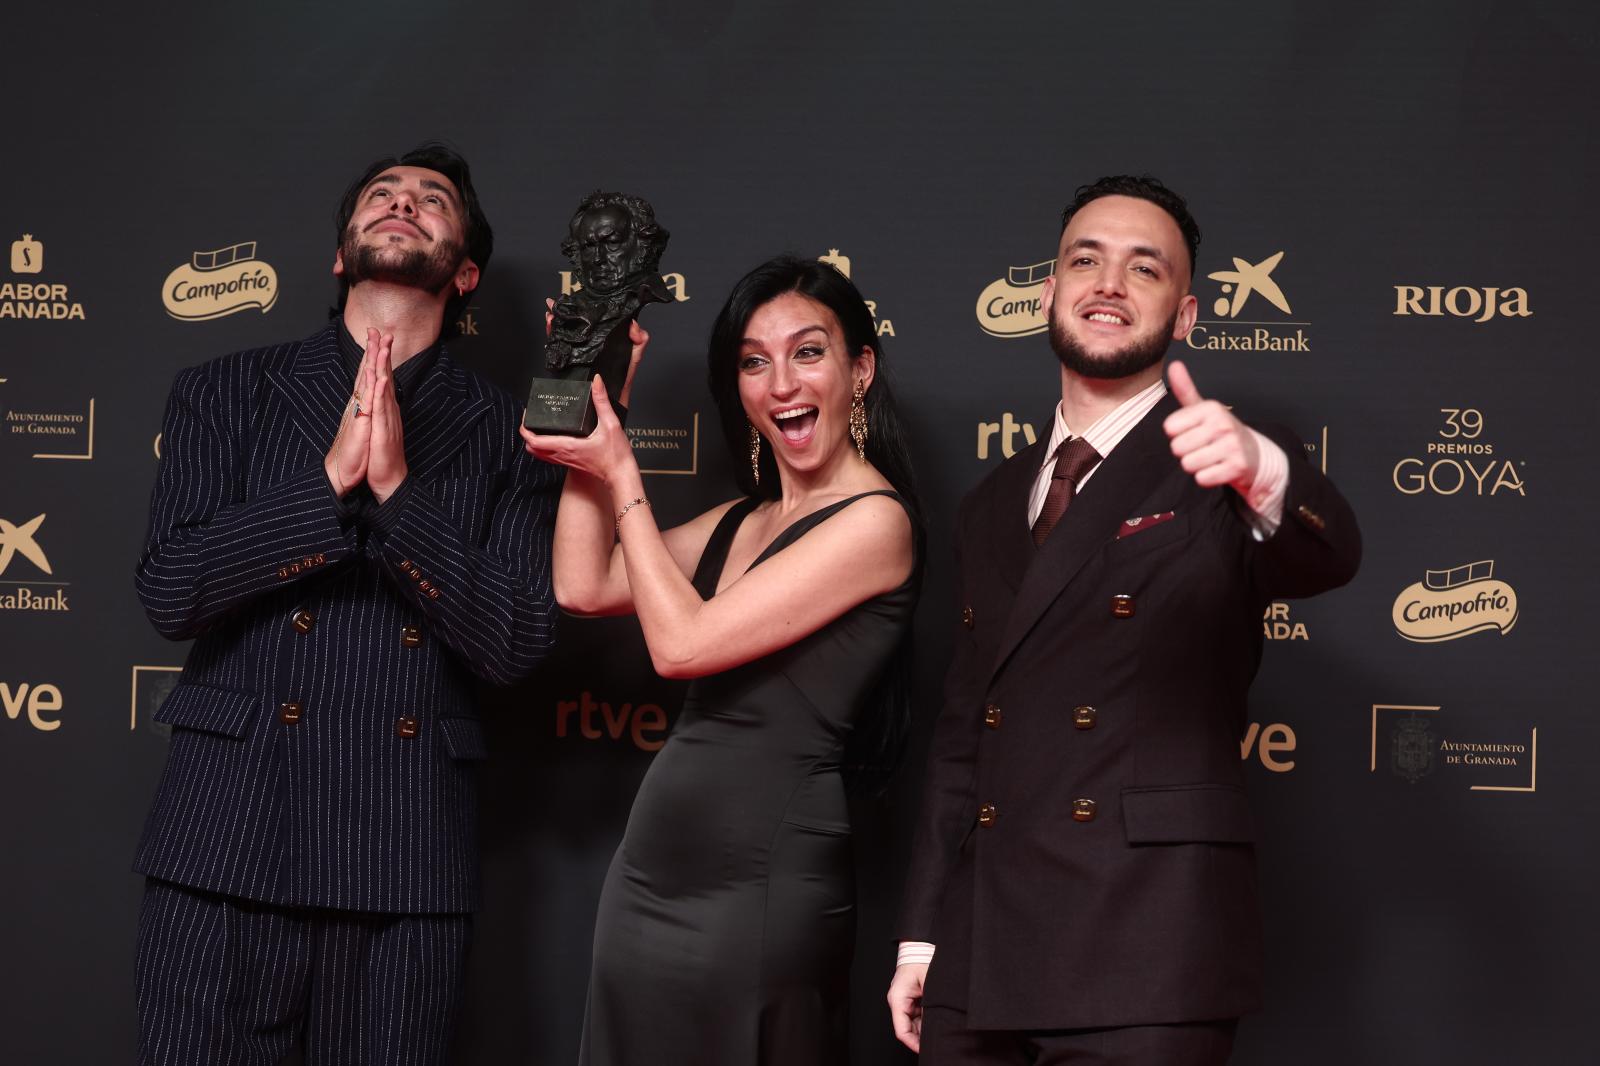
[615,246]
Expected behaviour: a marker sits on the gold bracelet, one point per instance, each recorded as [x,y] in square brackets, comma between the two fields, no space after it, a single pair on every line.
[630,505]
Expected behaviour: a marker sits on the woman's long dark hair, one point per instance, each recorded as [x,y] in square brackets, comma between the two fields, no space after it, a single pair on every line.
[878,741]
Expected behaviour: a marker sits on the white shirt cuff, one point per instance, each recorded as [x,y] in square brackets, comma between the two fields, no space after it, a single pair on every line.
[914,951]
[1265,494]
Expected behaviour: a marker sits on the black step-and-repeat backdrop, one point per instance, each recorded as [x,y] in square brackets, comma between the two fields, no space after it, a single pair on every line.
[1399,260]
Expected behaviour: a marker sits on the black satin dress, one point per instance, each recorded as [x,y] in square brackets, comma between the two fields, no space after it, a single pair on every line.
[727,919]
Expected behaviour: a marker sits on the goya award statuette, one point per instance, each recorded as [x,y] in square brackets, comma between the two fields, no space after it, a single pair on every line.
[615,246]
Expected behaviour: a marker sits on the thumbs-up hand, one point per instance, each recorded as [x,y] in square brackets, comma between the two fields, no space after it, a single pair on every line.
[1208,440]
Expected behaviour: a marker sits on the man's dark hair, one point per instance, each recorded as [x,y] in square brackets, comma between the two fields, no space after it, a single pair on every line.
[447,161]
[1144,187]
[641,220]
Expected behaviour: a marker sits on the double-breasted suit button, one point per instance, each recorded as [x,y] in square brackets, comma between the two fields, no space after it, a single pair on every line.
[966,617]
[991,716]
[987,814]
[302,620]
[1122,606]
[1083,810]
[406,727]
[410,636]
[1310,517]
[289,712]
[1084,717]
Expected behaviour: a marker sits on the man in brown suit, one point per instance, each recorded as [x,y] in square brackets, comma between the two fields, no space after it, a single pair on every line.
[1083,884]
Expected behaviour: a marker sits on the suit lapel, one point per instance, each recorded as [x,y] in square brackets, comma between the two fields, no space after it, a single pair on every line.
[449,403]
[1010,541]
[316,385]
[1132,471]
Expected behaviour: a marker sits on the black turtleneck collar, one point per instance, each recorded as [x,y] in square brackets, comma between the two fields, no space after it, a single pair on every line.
[406,375]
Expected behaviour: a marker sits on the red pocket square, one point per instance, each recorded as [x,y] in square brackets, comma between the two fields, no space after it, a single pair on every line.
[1139,525]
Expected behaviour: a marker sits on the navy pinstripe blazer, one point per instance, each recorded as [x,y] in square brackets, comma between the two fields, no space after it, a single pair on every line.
[323,733]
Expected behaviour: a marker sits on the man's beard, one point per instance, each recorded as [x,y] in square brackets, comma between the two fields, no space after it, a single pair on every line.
[1141,353]
[430,271]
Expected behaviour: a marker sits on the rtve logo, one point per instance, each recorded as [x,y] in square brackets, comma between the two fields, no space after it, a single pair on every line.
[36,700]
[1462,301]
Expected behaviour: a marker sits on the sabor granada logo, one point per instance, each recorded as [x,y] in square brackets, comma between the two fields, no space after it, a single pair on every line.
[881,325]
[35,299]
[220,282]
[1010,306]
[1238,285]
[1448,604]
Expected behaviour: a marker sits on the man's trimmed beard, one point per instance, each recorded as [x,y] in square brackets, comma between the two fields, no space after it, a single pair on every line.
[1141,353]
[430,271]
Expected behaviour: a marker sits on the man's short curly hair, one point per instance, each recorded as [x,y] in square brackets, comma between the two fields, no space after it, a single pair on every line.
[1144,187]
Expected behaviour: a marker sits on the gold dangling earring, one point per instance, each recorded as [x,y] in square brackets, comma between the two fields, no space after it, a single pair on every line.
[755,453]
[858,421]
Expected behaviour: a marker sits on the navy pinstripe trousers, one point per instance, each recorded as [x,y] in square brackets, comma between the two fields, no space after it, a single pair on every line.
[228,980]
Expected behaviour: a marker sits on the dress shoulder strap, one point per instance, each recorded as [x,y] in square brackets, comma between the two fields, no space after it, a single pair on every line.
[709,569]
[804,525]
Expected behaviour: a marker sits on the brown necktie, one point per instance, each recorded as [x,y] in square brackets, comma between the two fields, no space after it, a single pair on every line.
[1074,458]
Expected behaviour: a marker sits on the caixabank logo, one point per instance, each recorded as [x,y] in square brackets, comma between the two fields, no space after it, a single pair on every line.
[1011,306]
[39,299]
[1253,314]
[1454,603]
[219,282]
[20,541]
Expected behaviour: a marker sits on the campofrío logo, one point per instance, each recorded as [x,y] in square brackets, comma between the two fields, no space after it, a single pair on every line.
[220,282]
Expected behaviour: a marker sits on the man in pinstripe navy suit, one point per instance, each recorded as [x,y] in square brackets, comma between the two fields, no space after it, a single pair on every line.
[350,530]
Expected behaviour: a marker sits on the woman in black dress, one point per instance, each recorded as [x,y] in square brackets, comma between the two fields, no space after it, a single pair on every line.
[726,923]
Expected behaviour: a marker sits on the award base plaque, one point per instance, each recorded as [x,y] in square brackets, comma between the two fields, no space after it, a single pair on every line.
[615,246]
[564,406]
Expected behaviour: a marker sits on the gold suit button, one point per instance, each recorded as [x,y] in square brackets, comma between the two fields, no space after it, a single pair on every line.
[1084,717]
[1083,810]
[289,713]
[991,716]
[987,814]
[406,727]
[410,636]
[1122,606]
[1310,517]
[302,621]
[966,617]
[433,594]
